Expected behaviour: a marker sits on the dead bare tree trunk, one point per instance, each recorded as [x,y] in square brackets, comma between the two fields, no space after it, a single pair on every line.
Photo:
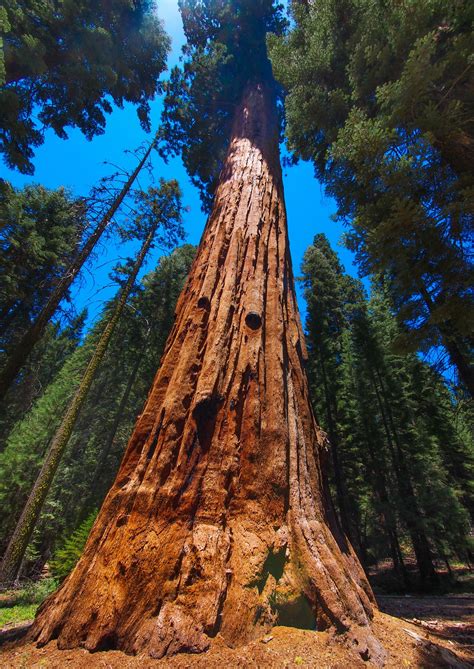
[218,521]
[18,356]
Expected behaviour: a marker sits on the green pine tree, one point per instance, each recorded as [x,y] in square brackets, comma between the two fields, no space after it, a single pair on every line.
[404,462]
[41,231]
[66,556]
[68,61]
[98,440]
[378,99]
[158,207]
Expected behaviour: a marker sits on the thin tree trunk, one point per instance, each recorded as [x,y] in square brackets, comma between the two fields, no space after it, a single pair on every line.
[18,544]
[465,369]
[409,504]
[457,357]
[23,348]
[217,521]
[381,491]
[99,470]
[422,547]
[7,314]
[450,571]
[334,441]
[457,151]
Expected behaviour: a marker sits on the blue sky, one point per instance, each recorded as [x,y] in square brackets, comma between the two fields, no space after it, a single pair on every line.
[79,164]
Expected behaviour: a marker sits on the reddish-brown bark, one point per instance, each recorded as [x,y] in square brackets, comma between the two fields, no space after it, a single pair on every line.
[218,521]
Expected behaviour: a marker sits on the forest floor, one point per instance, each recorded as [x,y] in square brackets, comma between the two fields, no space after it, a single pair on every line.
[430,632]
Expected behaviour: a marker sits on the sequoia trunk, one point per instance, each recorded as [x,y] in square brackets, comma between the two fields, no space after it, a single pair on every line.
[218,521]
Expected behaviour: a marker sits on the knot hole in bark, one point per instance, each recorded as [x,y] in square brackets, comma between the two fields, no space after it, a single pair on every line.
[253,320]
[205,414]
[203,303]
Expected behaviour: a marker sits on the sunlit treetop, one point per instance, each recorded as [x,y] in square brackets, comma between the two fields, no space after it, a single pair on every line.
[379,98]
[224,52]
[410,61]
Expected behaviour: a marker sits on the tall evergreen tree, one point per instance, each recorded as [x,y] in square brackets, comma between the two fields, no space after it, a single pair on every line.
[159,207]
[28,441]
[378,99]
[28,338]
[222,474]
[58,343]
[336,304]
[385,410]
[328,293]
[68,61]
[41,231]
[105,422]
[430,504]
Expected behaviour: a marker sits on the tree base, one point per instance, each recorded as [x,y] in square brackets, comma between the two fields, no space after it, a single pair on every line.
[284,646]
[236,581]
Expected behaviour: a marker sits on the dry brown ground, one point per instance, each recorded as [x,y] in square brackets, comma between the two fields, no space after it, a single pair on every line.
[441,636]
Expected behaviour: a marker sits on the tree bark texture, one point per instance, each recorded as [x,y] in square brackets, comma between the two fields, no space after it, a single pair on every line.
[219,519]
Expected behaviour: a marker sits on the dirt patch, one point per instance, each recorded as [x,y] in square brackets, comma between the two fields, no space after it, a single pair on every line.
[445,607]
[410,646]
[449,617]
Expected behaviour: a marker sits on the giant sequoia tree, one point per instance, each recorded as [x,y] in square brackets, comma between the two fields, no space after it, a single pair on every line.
[219,519]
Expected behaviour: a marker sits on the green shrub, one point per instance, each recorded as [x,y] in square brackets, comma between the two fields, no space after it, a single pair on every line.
[34,592]
[68,554]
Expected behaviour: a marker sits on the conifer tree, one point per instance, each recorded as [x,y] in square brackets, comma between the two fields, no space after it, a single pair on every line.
[28,441]
[388,424]
[431,506]
[223,473]
[58,343]
[25,343]
[68,61]
[40,233]
[98,440]
[336,307]
[328,293]
[159,207]
[69,553]
[378,99]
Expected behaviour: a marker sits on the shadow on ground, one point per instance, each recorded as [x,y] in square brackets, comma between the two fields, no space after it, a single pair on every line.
[448,619]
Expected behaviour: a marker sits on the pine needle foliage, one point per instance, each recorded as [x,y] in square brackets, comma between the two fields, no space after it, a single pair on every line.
[379,98]
[402,460]
[68,61]
[69,552]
